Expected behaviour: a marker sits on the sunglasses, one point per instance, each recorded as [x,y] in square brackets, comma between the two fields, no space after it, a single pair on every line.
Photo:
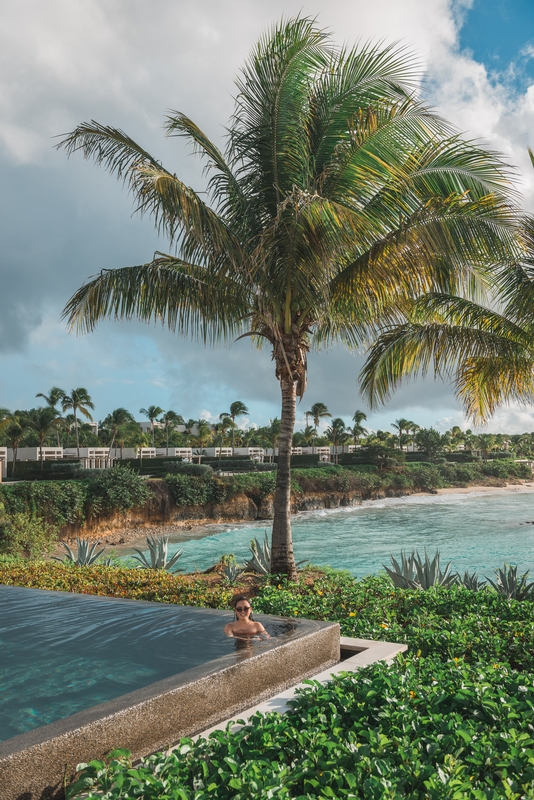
[242,608]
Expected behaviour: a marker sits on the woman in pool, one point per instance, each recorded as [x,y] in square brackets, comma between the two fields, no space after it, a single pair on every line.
[244,624]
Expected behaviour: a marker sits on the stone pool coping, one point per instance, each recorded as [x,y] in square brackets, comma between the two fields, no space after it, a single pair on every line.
[365,651]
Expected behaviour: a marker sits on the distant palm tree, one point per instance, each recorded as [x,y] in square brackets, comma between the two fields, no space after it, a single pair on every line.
[317,412]
[5,416]
[308,435]
[78,400]
[337,434]
[152,412]
[14,429]
[204,433]
[54,396]
[357,429]
[237,409]
[114,421]
[41,421]
[171,419]
[400,426]
[273,433]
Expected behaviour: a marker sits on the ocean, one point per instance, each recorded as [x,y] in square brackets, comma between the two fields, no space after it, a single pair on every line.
[476,531]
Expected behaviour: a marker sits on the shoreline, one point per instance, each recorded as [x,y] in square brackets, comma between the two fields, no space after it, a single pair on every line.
[125,540]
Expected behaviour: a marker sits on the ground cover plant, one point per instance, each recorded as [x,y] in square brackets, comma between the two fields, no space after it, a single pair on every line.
[453,719]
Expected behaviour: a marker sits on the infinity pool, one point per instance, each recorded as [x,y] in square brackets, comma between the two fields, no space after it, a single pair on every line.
[62,653]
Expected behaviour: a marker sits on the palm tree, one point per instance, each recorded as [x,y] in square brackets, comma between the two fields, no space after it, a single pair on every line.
[41,422]
[152,412]
[357,429]
[114,421]
[308,435]
[400,426]
[77,400]
[237,409]
[337,434]
[14,429]
[5,416]
[273,434]
[54,396]
[340,198]
[317,412]
[171,419]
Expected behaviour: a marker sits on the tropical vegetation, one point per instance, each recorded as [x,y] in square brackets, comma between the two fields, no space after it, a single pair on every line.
[340,199]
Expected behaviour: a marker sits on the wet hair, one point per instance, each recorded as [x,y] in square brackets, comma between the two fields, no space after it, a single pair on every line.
[239,599]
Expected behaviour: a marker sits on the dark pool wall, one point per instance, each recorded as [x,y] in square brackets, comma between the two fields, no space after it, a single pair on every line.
[33,764]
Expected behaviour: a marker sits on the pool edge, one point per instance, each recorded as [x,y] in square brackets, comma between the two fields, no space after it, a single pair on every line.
[33,767]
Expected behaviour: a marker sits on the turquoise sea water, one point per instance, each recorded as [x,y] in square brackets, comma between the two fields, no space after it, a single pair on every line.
[476,531]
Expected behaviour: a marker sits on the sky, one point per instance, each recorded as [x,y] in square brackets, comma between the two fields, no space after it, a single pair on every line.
[63,220]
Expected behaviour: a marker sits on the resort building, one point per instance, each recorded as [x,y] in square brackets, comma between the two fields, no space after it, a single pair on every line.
[175,452]
[3,463]
[34,453]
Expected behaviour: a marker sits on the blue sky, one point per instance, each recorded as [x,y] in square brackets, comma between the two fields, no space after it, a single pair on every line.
[63,220]
[500,34]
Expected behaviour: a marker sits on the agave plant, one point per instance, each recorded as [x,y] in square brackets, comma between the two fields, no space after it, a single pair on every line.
[402,574]
[414,573]
[470,581]
[158,547]
[232,571]
[510,586]
[261,557]
[85,554]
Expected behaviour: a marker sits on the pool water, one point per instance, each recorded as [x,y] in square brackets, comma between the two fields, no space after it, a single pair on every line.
[476,531]
[61,653]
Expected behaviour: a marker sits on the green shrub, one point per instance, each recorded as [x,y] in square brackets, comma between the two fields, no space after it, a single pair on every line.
[418,729]
[58,503]
[25,534]
[427,477]
[116,490]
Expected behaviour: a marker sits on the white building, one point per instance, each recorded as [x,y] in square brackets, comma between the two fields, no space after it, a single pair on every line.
[146,452]
[146,427]
[127,452]
[175,452]
[34,454]
[91,457]
[87,452]
[3,463]
[219,452]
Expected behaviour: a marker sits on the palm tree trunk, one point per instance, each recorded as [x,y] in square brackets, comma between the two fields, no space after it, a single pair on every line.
[77,432]
[282,557]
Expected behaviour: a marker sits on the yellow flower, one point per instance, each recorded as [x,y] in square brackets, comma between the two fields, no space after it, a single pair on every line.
[352,614]
[495,666]
[413,694]
[295,613]
[383,625]
[319,592]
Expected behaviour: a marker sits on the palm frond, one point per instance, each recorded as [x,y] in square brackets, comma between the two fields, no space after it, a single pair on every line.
[178,294]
